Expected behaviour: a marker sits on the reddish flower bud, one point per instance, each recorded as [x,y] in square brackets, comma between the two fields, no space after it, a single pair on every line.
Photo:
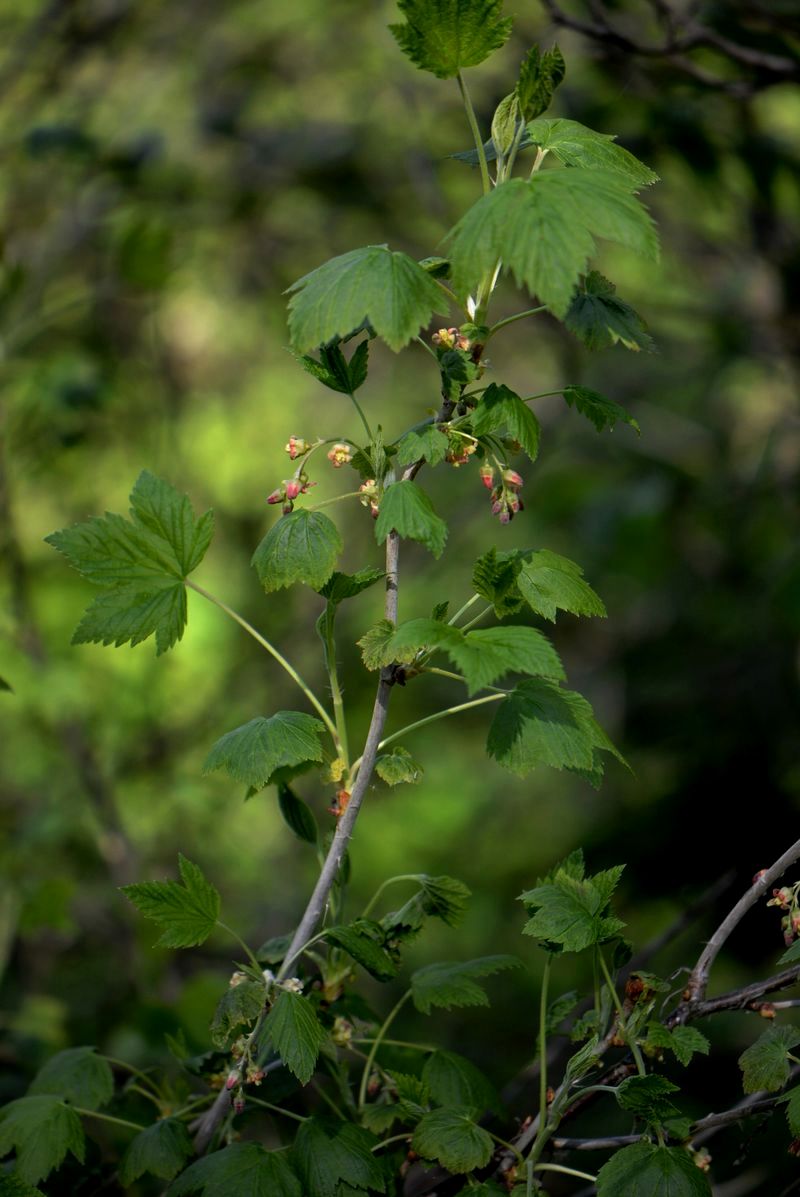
[294,487]
[486,473]
[512,479]
[288,507]
[238,1105]
[296,447]
[232,1081]
[277,496]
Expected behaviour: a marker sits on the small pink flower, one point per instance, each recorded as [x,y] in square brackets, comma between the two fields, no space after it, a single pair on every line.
[339,455]
[296,447]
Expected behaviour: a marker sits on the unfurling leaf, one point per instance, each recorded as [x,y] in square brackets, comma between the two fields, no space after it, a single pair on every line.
[254,752]
[333,369]
[504,124]
[539,76]
[161,1150]
[684,1042]
[446,984]
[301,547]
[389,290]
[141,563]
[407,510]
[296,1033]
[600,318]
[188,912]
[452,1137]
[243,1169]
[444,36]
[543,230]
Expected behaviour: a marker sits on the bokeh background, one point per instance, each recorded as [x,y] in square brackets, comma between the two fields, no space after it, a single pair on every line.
[168,170]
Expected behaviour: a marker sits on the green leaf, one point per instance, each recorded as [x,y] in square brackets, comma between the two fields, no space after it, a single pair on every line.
[452,1137]
[572,912]
[162,1150]
[646,1097]
[41,1130]
[327,1151]
[142,564]
[601,319]
[482,655]
[296,1033]
[407,510]
[188,912]
[430,443]
[765,1063]
[792,955]
[544,231]
[495,579]
[502,408]
[539,723]
[645,1170]
[583,1061]
[539,76]
[444,36]
[389,290]
[301,547]
[77,1075]
[549,583]
[792,1099]
[298,815]
[365,940]
[445,898]
[684,1042]
[240,1005]
[453,1080]
[575,145]
[344,586]
[245,1169]
[602,412]
[446,985]
[252,753]
[12,1185]
[380,1116]
[397,767]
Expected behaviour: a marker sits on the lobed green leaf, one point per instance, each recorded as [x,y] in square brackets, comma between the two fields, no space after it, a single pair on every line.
[499,408]
[646,1170]
[765,1064]
[327,1152]
[41,1130]
[254,752]
[444,36]
[602,412]
[188,912]
[301,547]
[161,1150]
[452,1137]
[449,984]
[245,1169]
[296,1033]
[599,318]
[77,1075]
[407,510]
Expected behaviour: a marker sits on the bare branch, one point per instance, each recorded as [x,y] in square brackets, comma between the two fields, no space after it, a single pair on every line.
[698,978]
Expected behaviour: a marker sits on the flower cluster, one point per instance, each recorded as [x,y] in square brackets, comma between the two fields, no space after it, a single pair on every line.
[786,898]
[288,491]
[461,447]
[504,494]
[369,496]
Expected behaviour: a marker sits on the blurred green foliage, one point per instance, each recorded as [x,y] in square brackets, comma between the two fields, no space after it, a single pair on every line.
[169,171]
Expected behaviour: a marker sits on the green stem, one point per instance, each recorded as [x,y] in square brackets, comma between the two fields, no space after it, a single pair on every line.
[631,1042]
[361,415]
[451,295]
[137,1126]
[267,1105]
[465,607]
[336,690]
[459,677]
[387,1022]
[391,881]
[512,153]
[270,648]
[512,319]
[477,618]
[328,1100]
[137,1072]
[456,710]
[414,1047]
[351,494]
[241,943]
[393,1139]
[543,1000]
[565,1171]
[510,1146]
[428,349]
[476,133]
[289,961]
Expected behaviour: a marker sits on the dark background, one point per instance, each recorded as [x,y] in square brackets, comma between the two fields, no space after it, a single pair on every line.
[168,170]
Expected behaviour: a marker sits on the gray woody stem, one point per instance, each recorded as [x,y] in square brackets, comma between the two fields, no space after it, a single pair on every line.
[344,829]
[698,979]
